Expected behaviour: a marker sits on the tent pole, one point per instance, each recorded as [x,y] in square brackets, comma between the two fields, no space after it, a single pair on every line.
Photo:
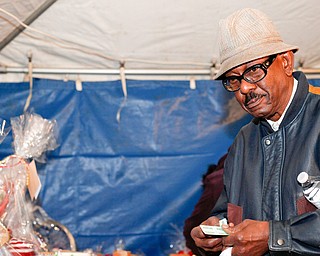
[27,21]
[79,71]
[206,72]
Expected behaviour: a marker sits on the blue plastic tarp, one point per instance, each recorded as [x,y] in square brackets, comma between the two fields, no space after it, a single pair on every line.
[137,177]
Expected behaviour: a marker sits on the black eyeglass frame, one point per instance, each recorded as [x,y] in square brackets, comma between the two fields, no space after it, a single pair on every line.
[264,66]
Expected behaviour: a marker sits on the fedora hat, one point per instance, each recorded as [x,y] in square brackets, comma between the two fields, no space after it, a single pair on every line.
[246,35]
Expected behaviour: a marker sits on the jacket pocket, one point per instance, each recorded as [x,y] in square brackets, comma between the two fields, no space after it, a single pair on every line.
[234,214]
[304,206]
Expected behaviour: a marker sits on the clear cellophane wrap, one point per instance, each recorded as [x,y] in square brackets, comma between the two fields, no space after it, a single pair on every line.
[16,232]
[33,136]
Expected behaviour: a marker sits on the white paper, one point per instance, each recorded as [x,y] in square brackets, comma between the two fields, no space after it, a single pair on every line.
[215,230]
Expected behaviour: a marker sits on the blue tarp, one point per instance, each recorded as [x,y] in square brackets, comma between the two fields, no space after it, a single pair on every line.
[137,178]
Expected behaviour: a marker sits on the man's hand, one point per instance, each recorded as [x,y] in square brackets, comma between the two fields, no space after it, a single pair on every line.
[249,238]
[205,242]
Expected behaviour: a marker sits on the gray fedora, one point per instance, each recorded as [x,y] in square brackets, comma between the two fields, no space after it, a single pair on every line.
[246,35]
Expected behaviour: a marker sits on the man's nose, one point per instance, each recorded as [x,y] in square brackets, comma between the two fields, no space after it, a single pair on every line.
[246,87]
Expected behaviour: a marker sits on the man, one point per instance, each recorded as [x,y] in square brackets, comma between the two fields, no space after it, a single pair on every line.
[262,200]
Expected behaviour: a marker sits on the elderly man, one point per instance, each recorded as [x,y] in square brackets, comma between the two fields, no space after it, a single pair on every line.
[264,204]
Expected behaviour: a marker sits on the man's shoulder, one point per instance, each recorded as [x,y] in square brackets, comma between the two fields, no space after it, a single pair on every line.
[314,89]
[250,129]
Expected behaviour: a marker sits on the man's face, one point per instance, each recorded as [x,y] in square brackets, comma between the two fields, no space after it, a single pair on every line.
[267,98]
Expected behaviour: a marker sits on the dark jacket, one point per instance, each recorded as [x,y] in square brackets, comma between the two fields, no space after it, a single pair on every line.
[261,170]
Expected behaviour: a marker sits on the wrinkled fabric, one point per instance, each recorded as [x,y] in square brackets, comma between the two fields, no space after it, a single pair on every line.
[136,178]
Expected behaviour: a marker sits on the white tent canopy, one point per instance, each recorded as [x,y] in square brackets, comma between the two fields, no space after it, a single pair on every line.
[72,38]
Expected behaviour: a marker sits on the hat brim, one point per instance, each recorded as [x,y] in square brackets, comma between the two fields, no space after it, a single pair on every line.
[251,54]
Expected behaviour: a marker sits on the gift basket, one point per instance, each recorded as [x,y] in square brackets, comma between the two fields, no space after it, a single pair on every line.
[17,236]
[25,229]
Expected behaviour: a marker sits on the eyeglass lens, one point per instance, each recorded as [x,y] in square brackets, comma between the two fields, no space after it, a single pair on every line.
[252,74]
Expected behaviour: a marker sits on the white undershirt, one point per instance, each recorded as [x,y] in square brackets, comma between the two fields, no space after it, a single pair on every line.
[275,125]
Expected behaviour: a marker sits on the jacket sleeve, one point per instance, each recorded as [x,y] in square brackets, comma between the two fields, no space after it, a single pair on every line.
[299,234]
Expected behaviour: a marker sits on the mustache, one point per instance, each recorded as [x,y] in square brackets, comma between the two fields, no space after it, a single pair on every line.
[250,96]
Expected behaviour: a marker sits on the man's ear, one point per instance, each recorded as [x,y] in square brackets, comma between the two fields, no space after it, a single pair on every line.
[288,62]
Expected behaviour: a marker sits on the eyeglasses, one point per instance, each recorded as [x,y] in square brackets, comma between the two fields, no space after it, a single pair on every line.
[251,75]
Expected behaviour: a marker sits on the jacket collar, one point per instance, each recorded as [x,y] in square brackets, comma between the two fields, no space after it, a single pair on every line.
[296,104]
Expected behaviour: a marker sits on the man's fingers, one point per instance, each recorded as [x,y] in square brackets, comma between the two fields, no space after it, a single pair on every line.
[212,244]
[228,241]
